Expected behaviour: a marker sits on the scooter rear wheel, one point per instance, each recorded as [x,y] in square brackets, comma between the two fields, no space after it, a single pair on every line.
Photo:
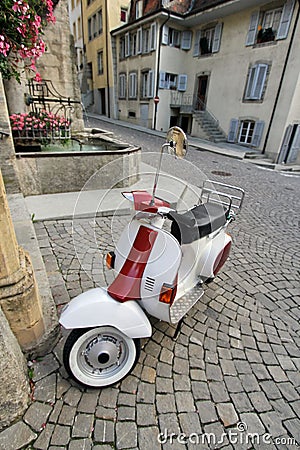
[99,357]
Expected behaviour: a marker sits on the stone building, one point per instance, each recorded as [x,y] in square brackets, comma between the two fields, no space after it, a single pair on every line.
[222,70]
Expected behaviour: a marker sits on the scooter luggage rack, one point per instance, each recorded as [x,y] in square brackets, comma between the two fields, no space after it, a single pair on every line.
[231,200]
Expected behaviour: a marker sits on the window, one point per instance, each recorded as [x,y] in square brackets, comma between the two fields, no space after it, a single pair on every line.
[147,84]
[90,29]
[171,36]
[100,62]
[246,131]
[132,85]
[186,40]
[94,26]
[127,44]
[122,85]
[123,15]
[134,44]
[146,34]
[167,80]
[269,25]
[122,47]
[208,40]
[256,82]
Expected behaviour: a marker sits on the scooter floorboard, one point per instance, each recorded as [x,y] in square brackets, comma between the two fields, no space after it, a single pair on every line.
[183,304]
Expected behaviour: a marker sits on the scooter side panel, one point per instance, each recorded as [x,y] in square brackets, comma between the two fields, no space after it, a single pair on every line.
[214,246]
[96,308]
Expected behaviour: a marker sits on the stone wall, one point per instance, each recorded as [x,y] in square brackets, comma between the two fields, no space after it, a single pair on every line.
[49,173]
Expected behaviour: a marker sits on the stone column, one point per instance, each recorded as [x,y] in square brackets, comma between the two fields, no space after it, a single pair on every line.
[14,386]
[19,298]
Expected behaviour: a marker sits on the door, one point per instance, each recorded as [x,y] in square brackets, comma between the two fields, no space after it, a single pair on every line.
[144,111]
[201,92]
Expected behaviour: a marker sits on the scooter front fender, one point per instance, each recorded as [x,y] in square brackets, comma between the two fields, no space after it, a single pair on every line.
[97,308]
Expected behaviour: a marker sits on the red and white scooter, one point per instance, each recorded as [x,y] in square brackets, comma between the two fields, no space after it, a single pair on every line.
[158,272]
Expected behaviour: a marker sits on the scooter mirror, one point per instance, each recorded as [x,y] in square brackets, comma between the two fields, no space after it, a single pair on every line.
[177,141]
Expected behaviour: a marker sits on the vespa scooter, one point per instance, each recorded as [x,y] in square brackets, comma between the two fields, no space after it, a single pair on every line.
[158,273]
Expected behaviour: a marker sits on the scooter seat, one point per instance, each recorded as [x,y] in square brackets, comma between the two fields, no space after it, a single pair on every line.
[198,222]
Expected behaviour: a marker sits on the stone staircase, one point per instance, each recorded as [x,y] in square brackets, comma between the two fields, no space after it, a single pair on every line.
[210,126]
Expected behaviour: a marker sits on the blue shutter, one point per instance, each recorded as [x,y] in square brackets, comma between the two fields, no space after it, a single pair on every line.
[251,36]
[197,44]
[257,133]
[295,147]
[217,38]
[285,20]
[233,129]
[165,35]
[186,40]
[182,83]
[139,41]
[162,80]
[285,144]
[153,36]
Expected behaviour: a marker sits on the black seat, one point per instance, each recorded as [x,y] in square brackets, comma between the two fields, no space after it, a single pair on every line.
[197,222]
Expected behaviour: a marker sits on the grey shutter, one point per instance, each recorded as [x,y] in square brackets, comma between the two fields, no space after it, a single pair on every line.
[294,150]
[197,44]
[257,133]
[251,36]
[186,40]
[139,41]
[127,44]
[162,80]
[259,81]
[153,36]
[251,81]
[285,144]
[233,129]
[150,84]
[182,83]
[285,19]
[217,38]
[165,35]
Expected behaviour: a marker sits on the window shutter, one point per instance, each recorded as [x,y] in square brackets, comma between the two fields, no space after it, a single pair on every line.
[153,36]
[259,81]
[217,38]
[251,82]
[251,36]
[186,40]
[150,84]
[162,80]
[285,144]
[165,35]
[285,19]
[233,129]
[139,41]
[294,150]
[182,83]
[257,133]
[197,44]
[127,44]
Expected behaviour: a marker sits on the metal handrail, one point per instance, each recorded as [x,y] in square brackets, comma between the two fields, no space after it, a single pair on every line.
[198,102]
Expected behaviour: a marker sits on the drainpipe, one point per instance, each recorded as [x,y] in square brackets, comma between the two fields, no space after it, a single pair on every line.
[158,67]
[107,58]
[281,81]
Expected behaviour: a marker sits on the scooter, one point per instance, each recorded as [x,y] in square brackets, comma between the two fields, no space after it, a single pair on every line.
[159,272]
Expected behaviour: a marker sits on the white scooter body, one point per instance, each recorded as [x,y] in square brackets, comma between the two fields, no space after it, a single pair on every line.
[156,273]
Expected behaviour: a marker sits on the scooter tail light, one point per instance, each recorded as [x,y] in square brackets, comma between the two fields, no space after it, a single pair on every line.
[110,260]
[167,294]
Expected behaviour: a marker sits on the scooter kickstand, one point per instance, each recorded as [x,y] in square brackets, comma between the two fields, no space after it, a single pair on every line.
[178,329]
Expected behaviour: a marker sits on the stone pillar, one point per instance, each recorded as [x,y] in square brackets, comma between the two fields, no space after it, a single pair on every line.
[14,386]
[19,298]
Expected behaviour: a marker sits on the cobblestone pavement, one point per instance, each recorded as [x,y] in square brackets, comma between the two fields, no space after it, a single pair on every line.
[232,375]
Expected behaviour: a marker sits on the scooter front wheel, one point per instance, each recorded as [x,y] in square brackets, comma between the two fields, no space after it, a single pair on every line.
[99,357]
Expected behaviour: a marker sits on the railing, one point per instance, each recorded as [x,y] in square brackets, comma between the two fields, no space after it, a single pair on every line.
[189,102]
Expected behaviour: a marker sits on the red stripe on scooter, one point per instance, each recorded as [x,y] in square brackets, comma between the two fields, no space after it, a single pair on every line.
[127,284]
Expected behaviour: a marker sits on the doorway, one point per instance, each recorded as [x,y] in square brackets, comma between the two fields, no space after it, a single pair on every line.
[201,92]
[291,145]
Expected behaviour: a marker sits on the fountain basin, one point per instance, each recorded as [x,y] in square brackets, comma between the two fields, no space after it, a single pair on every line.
[62,168]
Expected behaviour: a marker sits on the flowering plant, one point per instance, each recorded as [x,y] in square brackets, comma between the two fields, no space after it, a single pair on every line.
[42,124]
[21,27]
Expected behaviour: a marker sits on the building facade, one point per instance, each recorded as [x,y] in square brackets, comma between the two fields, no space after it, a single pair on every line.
[230,66]
[90,23]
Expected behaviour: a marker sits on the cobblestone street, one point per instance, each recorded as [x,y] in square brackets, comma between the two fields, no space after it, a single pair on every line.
[231,379]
